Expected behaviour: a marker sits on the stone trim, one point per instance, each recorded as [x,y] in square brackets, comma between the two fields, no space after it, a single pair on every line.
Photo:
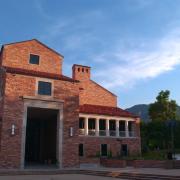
[38,74]
[49,105]
[106,117]
[44,80]
[42,98]
[40,61]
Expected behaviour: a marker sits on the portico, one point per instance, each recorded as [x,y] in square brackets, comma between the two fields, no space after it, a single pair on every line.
[107,126]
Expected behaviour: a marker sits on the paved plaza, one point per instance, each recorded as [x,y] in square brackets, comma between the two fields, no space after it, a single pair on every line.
[65,174]
[54,177]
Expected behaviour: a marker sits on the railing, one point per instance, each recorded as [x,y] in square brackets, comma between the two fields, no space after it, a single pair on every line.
[81,131]
[122,133]
[112,133]
[102,132]
[91,132]
[131,134]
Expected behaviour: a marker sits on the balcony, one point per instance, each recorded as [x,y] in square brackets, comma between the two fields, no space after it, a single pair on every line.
[102,132]
[131,133]
[91,132]
[112,133]
[122,133]
[81,132]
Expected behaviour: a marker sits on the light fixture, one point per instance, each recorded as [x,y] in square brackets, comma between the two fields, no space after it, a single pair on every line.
[13,127]
[71,131]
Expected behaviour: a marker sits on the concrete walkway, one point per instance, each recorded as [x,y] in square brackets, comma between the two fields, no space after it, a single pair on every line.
[55,177]
[154,171]
[89,173]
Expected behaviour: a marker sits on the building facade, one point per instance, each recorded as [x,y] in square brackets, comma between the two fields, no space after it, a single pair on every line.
[47,118]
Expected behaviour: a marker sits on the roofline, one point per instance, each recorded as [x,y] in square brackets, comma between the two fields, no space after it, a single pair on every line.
[38,74]
[80,65]
[38,42]
[1,54]
[103,88]
[1,50]
[102,114]
[132,115]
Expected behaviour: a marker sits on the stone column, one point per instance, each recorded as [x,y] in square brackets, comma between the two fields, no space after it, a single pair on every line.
[97,126]
[126,128]
[86,126]
[117,128]
[107,127]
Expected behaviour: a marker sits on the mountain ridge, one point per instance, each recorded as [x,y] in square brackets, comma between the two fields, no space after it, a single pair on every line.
[142,111]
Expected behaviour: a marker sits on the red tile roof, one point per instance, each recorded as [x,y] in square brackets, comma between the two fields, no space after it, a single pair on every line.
[38,74]
[105,110]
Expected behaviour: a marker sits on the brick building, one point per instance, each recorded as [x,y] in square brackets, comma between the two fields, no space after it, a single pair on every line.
[47,118]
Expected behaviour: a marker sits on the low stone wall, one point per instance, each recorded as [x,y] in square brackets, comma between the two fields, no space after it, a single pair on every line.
[149,163]
[89,160]
[177,164]
[119,163]
[113,163]
[130,163]
[172,164]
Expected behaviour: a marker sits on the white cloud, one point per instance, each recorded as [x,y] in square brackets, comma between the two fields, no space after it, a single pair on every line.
[143,3]
[120,64]
[40,9]
[126,69]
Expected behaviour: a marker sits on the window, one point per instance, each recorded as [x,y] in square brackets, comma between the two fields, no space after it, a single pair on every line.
[1,87]
[34,59]
[82,69]
[103,149]
[81,150]
[44,88]
[124,150]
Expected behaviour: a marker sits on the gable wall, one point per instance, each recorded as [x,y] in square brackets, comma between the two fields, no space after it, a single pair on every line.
[17,56]
[92,93]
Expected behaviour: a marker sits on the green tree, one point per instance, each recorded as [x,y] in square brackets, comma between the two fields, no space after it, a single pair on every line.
[154,135]
[163,108]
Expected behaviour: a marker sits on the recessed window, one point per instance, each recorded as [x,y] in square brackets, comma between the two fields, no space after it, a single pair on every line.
[34,59]
[124,150]
[82,69]
[87,70]
[44,88]
[1,87]
[78,69]
[81,150]
[103,149]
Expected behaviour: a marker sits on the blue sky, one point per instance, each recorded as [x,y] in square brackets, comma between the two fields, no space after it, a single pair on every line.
[133,46]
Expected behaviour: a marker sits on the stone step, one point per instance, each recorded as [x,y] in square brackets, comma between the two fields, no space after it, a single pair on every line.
[121,175]
[132,175]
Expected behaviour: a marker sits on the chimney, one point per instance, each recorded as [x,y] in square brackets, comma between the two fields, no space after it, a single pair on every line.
[81,73]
